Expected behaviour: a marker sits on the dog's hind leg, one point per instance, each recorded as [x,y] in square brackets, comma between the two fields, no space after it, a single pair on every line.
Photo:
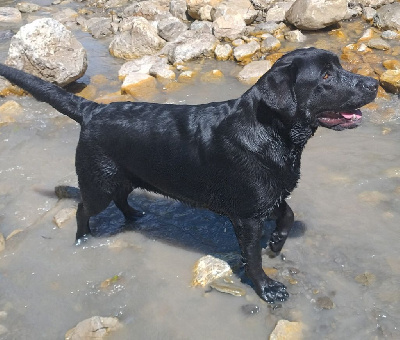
[93,202]
[284,222]
[248,233]
[121,201]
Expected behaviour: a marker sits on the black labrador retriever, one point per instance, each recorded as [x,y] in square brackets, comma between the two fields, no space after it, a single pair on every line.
[239,158]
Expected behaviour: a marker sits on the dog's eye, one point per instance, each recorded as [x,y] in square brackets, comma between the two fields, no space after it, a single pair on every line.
[326,76]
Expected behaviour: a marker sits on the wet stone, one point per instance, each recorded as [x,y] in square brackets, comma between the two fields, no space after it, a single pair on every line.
[378,44]
[27,7]
[325,302]
[13,233]
[365,279]
[372,197]
[250,309]
[213,76]
[390,35]
[393,172]
[96,327]
[295,36]
[286,330]
[2,242]
[227,287]
[392,64]
[209,268]
[223,52]
[3,330]
[64,215]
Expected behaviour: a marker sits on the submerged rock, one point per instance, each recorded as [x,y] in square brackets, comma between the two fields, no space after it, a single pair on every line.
[140,86]
[64,215]
[209,268]
[325,302]
[45,48]
[227,286]
[365,279]
[2,242]
[96,327]
[286,330]
[250,309]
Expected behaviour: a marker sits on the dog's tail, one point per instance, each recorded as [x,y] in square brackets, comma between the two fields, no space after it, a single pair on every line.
[63,101]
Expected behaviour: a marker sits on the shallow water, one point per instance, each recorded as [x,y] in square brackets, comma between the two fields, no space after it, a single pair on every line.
[348,200]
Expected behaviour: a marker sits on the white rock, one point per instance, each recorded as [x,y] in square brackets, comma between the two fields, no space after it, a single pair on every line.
[253,71]
[10,15]
[48,50]
[316,14]
[142,39]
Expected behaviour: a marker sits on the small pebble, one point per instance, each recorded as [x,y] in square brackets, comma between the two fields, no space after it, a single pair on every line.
[250,309]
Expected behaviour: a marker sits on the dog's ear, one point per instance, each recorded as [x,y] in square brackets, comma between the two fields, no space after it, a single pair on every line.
[277,88]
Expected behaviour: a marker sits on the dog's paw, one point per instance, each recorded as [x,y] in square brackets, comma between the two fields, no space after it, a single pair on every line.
[277,241]
[273,291]
[81,240]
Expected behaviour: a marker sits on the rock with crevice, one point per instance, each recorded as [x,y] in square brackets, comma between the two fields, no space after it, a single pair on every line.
[142,39]
[96,327]
[47,49]
[229,27]
[170,28]
[191,45]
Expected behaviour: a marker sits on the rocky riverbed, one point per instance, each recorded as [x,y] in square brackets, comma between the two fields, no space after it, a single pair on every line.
[341,263]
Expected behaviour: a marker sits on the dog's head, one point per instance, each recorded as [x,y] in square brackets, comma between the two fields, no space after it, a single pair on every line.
[310,87]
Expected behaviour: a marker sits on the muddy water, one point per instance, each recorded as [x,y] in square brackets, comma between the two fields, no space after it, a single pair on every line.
[341,263]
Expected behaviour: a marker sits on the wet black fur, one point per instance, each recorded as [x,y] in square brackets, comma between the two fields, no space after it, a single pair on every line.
[239,158]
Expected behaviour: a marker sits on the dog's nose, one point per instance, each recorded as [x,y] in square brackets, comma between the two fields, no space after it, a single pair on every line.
[371,85]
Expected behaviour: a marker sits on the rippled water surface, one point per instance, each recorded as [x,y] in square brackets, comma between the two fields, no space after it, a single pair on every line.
[345,251]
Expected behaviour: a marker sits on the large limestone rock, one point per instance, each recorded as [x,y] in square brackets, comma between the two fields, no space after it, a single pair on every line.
[316,14]
[388,17]
[191,45]
[48,50]
[170,28]
[194,6]
[142,39]
[229,27]
[244,8]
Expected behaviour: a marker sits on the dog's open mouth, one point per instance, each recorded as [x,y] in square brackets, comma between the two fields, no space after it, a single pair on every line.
[340,120]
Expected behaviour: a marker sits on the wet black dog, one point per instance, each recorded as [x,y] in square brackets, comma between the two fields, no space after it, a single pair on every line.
[239,158]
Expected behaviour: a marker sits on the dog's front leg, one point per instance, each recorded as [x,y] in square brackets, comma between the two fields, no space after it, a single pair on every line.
[284,222]
[248,233]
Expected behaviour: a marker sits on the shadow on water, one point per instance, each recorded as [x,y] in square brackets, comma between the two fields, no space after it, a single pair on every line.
[176,223]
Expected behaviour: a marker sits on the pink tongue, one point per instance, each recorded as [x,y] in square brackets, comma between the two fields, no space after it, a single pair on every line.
[349,115]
